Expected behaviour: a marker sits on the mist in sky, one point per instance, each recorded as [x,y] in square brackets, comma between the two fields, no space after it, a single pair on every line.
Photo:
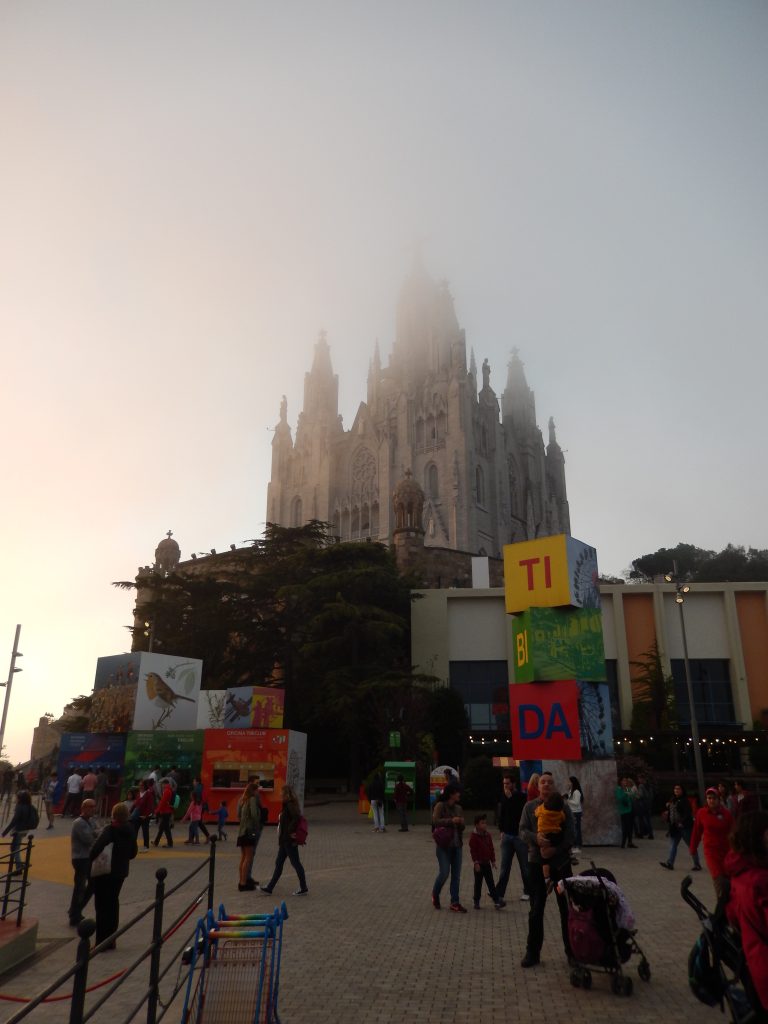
[190,191]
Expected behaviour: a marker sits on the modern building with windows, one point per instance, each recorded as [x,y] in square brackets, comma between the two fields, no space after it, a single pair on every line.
[464,637]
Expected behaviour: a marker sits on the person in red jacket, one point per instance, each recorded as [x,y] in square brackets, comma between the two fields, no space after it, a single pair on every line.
[713,824]
[747,868]
[163,813]
[483,861]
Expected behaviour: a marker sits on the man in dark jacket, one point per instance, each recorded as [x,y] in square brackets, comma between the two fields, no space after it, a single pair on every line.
[559,867]
[84,834]
[508,817]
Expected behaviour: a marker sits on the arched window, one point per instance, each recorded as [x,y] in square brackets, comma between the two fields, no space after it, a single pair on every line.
[296,512]
[355,521]
[375,520]
[431,481]
[480,485]
[431,435]
[420,431]
[365,521]
[336,524]
[345,524]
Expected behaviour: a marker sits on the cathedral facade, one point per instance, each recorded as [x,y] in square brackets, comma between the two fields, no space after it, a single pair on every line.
[487,477]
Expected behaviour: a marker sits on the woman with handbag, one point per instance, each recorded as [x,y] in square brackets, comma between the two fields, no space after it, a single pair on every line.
[249,833]
[110,858]
[288,843]
[448,825]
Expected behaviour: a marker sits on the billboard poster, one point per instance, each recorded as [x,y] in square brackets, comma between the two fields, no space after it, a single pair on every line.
[113,708]
[146,749]
[544,719]
[558,643]
[595,720]
[168,692]
[241,707]
[85,750]
[116,670]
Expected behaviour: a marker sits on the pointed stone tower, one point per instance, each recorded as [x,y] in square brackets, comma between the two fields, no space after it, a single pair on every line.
[480,465]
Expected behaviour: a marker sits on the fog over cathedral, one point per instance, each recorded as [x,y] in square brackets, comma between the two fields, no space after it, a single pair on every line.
[486,475]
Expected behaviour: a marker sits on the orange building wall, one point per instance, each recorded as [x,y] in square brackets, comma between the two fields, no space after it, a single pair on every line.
[640,626]
[753,626]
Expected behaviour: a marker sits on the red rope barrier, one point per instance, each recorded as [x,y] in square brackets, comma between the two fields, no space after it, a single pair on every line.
[106,981]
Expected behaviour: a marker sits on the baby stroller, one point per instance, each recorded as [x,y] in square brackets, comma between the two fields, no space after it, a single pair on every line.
[717,972]
[601,930]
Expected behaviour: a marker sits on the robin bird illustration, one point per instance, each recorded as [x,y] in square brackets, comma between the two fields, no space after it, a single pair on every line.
[158,689]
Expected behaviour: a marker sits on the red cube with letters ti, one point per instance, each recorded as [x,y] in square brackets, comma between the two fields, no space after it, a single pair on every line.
[544,720]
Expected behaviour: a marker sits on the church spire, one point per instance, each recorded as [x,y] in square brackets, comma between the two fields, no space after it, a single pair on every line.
[518,402]
[321,385]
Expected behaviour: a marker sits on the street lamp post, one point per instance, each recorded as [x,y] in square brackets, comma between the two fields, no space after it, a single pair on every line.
[682,589]
[16,654]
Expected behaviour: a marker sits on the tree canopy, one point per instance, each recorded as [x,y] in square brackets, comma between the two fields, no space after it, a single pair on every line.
[733,564]
[328,622]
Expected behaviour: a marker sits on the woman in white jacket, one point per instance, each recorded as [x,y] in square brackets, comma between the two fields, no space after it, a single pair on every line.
[575,799]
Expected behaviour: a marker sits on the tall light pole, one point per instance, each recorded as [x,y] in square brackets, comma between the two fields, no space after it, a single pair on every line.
[682,589]
[16,654]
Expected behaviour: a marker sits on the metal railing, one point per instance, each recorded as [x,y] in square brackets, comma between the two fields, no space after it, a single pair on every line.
[156,1008]
[14,881]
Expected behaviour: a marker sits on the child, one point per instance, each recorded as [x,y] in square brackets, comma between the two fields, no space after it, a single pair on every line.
[221,814]
[550,818]
[483,860]
[194,816]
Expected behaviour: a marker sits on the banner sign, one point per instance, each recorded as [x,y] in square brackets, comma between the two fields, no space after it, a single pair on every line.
[168,692]
[241,707]
[545,720]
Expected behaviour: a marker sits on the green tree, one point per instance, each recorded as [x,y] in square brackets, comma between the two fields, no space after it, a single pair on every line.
[653,694]
[733,564]
[687,557]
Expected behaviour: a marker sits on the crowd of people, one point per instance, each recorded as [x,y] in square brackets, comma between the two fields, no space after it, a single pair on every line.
[542,828]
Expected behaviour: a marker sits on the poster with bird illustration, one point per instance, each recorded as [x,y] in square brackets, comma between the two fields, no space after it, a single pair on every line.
[168,692]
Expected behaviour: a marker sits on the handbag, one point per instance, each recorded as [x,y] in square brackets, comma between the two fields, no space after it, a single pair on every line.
[443,836]
[102,865]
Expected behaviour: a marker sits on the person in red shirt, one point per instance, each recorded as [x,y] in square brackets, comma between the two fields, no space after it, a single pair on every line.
[163,813]
[747,868]
[713,824]
[483,861]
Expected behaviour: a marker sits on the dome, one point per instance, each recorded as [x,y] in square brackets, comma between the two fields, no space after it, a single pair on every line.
[167,553]
[408,500]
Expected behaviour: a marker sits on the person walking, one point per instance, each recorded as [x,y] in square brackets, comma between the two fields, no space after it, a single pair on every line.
[248,835]
[288,848]
[483,862]
[680,824]
[199,792]
[575,800]
[106,887]
[376,797]
[89,785]
[559,867]
[193,816]
[74,795]
[164,813]
[508,817]
[83,836]
[25,819]
[49,796]
[713,825]
[402,795]
[624,805]
[447,814]
[142,811]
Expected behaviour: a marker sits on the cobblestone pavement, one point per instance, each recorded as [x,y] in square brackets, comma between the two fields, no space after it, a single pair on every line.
[366,946]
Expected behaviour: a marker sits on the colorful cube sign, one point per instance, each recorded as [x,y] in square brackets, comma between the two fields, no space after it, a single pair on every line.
[544,719]
[550,572]
[558,643]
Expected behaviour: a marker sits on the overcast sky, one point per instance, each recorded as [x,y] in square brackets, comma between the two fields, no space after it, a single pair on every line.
[190,191]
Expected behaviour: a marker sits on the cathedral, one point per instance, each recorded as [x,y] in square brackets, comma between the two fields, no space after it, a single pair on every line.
[484,475]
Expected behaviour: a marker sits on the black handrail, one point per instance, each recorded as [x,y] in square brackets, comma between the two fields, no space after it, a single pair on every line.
[10,888]
[85,954]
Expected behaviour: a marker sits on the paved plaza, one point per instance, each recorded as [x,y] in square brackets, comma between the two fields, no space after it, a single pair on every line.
[366,946]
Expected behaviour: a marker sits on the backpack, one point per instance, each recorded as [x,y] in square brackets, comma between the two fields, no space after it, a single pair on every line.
[301,831]
[34,818]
